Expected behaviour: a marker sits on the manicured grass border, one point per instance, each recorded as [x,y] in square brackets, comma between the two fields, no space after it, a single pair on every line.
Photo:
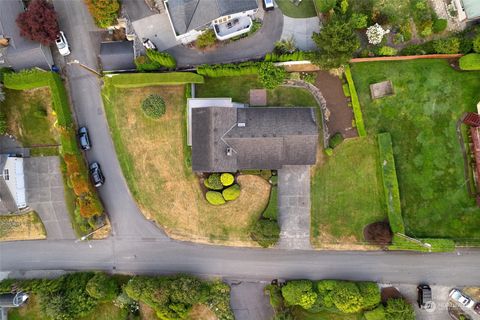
[136,80]
[357,110]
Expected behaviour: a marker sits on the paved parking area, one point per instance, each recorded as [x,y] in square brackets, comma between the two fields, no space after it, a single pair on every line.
[248,300]
[301,30]
[158,29]
[45,194]
[294,207]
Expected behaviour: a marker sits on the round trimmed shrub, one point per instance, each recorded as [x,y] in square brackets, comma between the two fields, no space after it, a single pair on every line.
[328,151]
[439,25]
[213,182]
[265,232]
[154,106]
[227,179]
[231,193]
[102,287]
[215,198]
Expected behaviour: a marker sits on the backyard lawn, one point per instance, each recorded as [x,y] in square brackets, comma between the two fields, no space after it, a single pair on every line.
[29,119]
[305,9]
[26,226]
[429,98]
[238,88]
[153,157]
[347,194]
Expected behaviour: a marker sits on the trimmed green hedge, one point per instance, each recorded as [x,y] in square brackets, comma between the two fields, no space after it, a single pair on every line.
[470,62]
[390,183]
[272,208]
[136,80]
[227,179]
[164,59]
[437,245]
[295,56]
[215,198]
[231,193]
[228,70]
[357,110]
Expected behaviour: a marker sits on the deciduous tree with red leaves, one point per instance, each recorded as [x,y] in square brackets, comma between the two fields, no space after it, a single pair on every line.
[39,22]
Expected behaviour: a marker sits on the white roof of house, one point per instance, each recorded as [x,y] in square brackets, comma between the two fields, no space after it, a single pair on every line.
[15,179]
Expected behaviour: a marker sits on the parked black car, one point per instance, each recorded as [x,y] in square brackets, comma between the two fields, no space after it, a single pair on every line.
[476,308]
[424,296]
[96,174]
[84,138]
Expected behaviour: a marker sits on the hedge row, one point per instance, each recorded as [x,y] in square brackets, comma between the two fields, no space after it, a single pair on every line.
[390,183]
[357,110]
[136,80]
[436,245]
[228,70]
[295,56]
[164,59]
[470,62]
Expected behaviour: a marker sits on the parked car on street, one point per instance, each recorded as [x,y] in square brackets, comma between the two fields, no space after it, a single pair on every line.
[148,44]
[84,138]
[96,174]
[465,301]
[424,296]
[62,44]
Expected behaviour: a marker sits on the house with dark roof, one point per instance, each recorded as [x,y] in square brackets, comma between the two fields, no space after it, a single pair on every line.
[228,18]
[117,56]
[16,51]
[231,138]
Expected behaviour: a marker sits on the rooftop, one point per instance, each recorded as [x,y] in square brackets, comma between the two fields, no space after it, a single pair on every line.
[117,56]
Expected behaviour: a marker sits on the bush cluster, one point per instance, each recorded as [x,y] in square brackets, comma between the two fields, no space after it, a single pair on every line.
[336,140]
[163,59]
[153,106]
[144,64]
[206,39]
[221,188]
[102,287]
[357,111]
[283,57]
[104,12]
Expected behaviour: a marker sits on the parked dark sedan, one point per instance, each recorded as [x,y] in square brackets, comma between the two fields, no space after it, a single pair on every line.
[96,174]
[476,308]
[84,138]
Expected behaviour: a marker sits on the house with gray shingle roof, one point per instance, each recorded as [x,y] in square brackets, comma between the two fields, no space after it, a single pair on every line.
[231,138]
[16,51]
[468,9]
[229,18]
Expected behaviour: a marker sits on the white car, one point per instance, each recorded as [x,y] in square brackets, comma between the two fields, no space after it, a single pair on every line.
[62,44]
[456,295]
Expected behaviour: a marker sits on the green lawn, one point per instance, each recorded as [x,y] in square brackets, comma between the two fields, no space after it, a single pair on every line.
[429,99]
[347,193]
[238,88]
[305,9]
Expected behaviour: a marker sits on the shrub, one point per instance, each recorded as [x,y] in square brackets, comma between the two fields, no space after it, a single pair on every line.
[329,152]
[449,45]
[390,183]
[375,34]
[470,62]
[346,90]
[357,111]
[3,123]
[231,193]
[439,25]
[215,198]
[285,46]
[325,6]
[104,12]
[399,309]
[227,179]
[102,287]
[162,58]
[335,140]
[271,76]
[272,207]
[227,70]
[153,106]
[476,44]
[138,80]
[89,205]
[359,20]
[213,182]
[299,293]
[376,314]
[265,232]
[370,294]
[387,51]
[206,39]
[266,174]
[39,22]
[347,297]
[143,63]
[295,56]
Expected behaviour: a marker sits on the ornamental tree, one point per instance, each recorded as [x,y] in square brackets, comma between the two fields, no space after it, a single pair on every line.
[39,22]
[375,33]
[299,292]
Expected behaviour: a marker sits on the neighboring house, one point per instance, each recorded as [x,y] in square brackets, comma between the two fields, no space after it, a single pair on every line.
[468,9]
[229,138]
[229,18]
[117,56]
[16,51]
[12,184]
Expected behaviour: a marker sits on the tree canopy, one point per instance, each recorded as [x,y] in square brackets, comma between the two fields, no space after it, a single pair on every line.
[39,22]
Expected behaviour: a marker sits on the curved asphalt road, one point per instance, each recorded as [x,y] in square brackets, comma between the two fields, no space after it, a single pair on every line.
[138,246]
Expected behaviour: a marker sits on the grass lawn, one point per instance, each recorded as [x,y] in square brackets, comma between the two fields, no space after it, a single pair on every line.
[152,156]
[30,119]
[429,99]
[305,9]
[107,311]
[26,226]
[347,193]
[238,88]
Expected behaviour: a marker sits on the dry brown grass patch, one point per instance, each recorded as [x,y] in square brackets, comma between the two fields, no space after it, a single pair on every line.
[25,226]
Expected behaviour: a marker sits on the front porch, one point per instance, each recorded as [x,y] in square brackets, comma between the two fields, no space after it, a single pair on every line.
[232,28]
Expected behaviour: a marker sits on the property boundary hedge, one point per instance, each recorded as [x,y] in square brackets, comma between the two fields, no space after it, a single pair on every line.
[437,245]
[357,110]
[390,183]
[229,69]
[136,80]
[470,62]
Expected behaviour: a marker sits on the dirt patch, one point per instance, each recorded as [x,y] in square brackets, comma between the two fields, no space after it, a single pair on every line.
[378,233]
[341,115]
[473,292]
[201,312]
[390,293]
[146,312]
[326,241]
[26,226]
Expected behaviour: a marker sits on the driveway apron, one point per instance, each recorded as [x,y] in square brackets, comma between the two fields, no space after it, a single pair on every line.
[301,29]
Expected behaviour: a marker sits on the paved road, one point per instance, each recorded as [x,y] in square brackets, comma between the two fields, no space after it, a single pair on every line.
[137,246]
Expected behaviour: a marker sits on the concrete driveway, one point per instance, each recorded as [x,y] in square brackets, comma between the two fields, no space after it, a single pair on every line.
[294,207]
[45,194]
[301,30]
[248,300]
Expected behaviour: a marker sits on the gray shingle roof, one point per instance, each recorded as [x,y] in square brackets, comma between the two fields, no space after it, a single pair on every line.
[21,53]
[117,56]
[272,137]
[187,15]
